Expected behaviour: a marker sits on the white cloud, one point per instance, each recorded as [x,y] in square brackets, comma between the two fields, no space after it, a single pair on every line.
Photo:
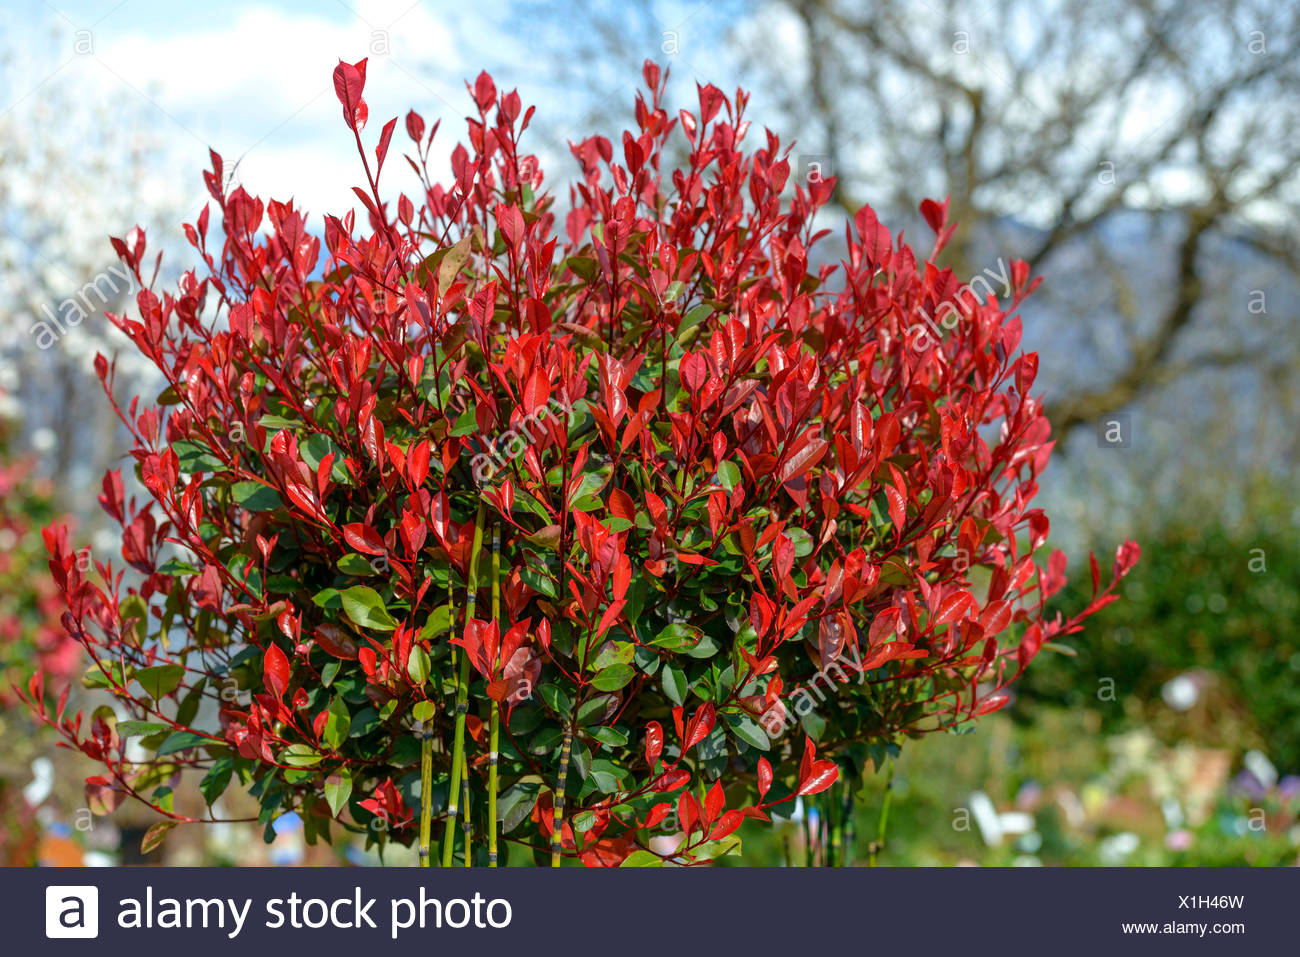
[257,87]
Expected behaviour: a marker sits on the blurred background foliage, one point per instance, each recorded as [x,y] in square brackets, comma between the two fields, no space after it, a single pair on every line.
[1168,733]
[1142,155]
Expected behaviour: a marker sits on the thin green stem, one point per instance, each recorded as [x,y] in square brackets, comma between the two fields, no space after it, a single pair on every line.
[462,694]
[878,844]
[808,839]
[557,834]
[467,820]
[426,785]
[426,801]
[834,822]
[850,824]
[823,830]
[494,716]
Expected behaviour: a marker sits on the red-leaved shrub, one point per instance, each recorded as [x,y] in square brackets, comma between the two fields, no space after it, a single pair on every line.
[31,639]
[594,523]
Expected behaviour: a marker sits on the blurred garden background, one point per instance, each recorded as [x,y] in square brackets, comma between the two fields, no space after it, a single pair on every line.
[1141,156]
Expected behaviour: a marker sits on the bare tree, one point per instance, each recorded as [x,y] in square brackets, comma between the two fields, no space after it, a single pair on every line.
[76,166]
[1067,114]
[1140,154]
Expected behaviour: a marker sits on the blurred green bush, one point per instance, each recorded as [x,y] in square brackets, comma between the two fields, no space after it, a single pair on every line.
[1205,644]
[1128,746]
[30,637]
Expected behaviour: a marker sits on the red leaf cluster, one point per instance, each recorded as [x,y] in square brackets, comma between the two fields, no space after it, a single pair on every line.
[733,489]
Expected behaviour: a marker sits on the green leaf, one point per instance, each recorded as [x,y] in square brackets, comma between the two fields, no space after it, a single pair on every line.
[516,804]
[129,729]
[338,788]
[614,653]
[438,622]
[583,266]
[606,775]
[300,756]
[538,582]
[156,834]
[555,699]
[802,541]
[163,798]
[363,722]
[706,647]
[748,730]
[180,741]
[196,457]
[417,666]
[450,260]
[275,423]
[545,741]
[337,724]
[256,497]
[689,327]
[529,504]
[677,637]
[728,475]
[674,684]
[160,680]
[134,615]
[642,859]
[613,677]
[590,484]
[593,709]
[355,564]
[611,737]
[364,606]
[328,598]
[215,781]
[175,567]
[646,659]
[313,450]
[712,850]
[466,424]
[423,711]
[97,677]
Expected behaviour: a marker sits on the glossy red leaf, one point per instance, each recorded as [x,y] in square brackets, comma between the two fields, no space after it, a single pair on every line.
[349,83]
[671,780]
[365,539]
[714,802]
[414,126]
[820,776]
[275,670]
[654,742]
[381,150]
[417,464]
[698,728]
[336,641]
[727,824]
[688,812]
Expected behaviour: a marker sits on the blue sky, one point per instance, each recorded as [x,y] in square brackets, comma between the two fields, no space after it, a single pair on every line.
[253,79]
